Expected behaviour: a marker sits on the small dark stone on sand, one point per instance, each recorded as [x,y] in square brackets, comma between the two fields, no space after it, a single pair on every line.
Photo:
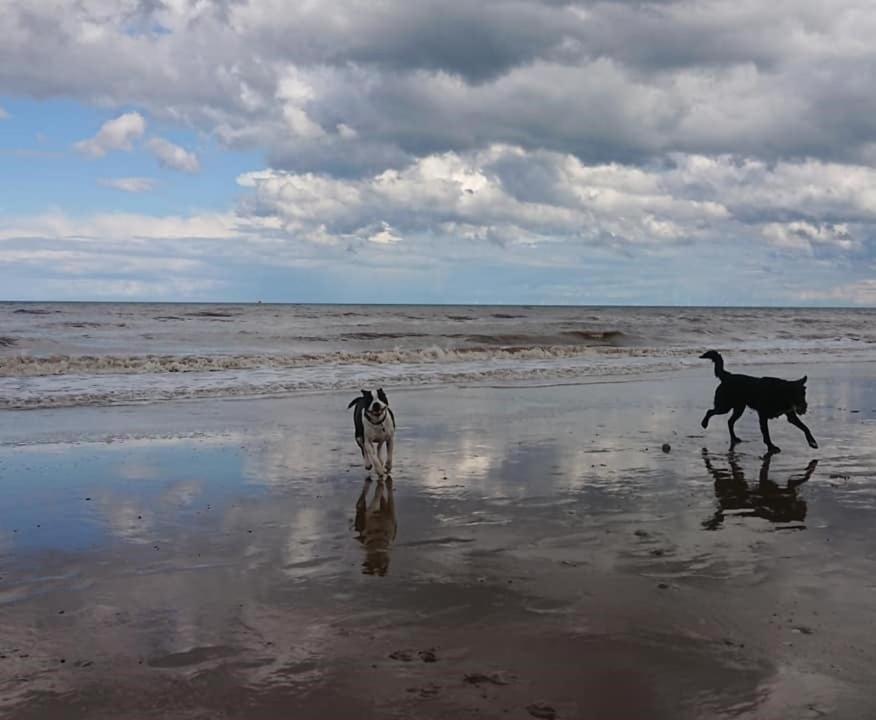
[403,655]
[87,499]
[666,447]
[60,612]
[492,679]
[540,710]
[428,655]
[663,586]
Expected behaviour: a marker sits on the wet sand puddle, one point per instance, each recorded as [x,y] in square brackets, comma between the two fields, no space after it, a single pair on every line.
[520,567]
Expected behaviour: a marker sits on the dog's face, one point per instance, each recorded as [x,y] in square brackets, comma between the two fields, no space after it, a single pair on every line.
[798,396]
[375,403]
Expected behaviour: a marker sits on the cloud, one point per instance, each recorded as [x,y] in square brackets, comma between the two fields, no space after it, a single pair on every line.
[3,114]
[129,184]
[173,156]
[515,135]
[117,134]
[862,292]
[353,89]
[125,227]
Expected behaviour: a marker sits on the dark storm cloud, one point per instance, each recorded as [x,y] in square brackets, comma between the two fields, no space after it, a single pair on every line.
[606,81]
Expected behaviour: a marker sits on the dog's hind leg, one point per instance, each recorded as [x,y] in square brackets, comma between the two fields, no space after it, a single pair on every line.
[737,413]
[794,420]
[765,431]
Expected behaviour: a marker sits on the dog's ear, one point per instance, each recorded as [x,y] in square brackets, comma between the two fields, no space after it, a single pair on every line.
[365,393]
[802,380]
[382,396]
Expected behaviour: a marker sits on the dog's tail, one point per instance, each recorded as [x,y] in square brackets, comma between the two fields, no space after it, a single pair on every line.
[716,358]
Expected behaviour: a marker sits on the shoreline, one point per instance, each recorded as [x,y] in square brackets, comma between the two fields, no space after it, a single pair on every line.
[779,368]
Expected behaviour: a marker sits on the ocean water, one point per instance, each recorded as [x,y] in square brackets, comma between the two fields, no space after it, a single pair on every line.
[69,354]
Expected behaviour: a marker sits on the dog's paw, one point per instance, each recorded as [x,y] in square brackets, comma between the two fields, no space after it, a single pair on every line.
[813,444]
[705,424]
[388,467]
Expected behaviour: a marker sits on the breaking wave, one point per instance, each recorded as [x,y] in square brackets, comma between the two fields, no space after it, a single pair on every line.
[32,366]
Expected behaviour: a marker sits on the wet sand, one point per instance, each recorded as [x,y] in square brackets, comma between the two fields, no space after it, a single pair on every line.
[536,555]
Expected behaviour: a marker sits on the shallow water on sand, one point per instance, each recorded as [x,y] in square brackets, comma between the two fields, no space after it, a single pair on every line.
[536,547]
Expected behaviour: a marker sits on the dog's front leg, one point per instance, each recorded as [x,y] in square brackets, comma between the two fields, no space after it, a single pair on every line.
[372,460]
[794,420]
[389,448]
[765,431]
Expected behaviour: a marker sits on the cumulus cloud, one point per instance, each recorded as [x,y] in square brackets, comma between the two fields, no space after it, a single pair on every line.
[604,81]
[129,184]
[508,195]
[117,134]
[173,156]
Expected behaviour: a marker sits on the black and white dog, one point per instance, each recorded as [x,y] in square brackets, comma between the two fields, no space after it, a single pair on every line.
[374,426]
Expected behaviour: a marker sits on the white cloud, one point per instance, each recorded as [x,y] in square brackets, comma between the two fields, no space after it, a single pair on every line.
[805,236]
[125,227]
[384,236]
[173,156]
[129,184]
[489,196]
[862,292]
[117,134]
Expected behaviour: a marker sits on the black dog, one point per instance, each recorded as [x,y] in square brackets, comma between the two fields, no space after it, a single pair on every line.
[770,397]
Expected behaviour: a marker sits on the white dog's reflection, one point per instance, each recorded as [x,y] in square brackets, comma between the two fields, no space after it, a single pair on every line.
[376,525]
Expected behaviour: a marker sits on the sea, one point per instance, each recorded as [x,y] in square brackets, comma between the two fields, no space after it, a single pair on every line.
[91,354]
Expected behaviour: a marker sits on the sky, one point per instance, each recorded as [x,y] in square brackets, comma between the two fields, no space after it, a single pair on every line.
[697,152]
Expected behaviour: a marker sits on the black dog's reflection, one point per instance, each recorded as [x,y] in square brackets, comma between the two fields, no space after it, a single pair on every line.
[376,526]
[765,500]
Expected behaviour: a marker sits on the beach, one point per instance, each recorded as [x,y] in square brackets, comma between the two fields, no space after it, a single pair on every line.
[538,553]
